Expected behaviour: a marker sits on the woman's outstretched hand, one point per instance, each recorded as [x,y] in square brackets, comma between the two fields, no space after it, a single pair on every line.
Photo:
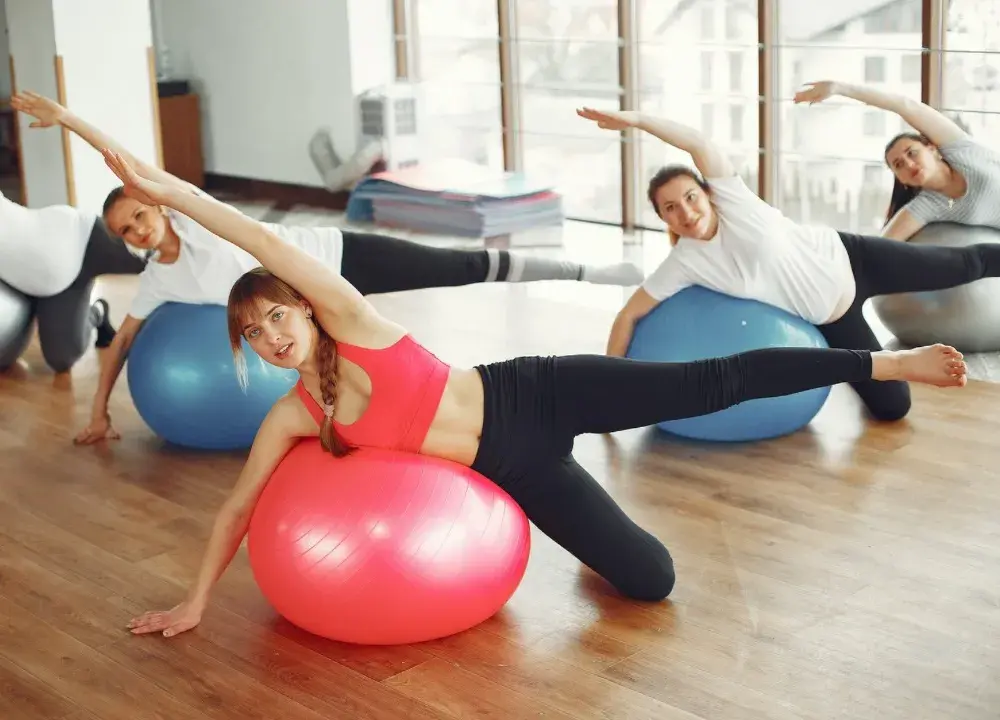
[146,191]
[45,111]
[180,618]
[610,119]
[816,92]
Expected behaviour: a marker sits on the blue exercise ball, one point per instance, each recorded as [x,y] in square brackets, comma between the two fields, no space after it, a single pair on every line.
[183,381]
[698,323]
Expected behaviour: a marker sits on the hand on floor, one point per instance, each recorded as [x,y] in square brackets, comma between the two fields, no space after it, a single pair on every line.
[100,428]
[178,619]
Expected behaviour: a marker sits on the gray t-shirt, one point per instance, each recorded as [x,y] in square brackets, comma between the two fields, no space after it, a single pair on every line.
[980,165]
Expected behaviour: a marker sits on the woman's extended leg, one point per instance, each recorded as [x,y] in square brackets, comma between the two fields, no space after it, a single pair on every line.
[595,393]
[380,264]
[520,452]
[568,505]
[884,267]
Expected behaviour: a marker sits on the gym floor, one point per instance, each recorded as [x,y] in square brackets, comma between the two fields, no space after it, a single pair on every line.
[844,571]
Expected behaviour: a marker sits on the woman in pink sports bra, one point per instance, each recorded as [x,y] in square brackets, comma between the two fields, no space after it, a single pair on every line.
[366,382]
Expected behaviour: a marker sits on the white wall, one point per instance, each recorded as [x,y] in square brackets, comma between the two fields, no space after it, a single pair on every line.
[272,72]
[103,44]
[4,52]
[33,46]
[372,56]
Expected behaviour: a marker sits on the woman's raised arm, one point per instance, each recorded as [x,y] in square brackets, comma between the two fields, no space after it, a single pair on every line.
[320,285]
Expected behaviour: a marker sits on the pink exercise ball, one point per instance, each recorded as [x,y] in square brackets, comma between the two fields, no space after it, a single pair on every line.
[385,548]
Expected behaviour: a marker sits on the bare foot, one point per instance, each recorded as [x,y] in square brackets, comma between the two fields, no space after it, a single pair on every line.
[62,381]
[939,365]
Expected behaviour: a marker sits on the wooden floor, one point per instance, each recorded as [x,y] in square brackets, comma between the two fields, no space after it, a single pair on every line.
[849,571]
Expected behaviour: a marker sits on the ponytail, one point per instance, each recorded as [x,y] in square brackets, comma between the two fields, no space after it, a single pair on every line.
[327,356]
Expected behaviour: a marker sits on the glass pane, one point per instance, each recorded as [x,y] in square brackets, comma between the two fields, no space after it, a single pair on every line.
[830,153]
[568,65]
[698,65]
[567,57]
[841,193]
[587,172]
[688,23]
[971,75]
[566,19]
[458,64]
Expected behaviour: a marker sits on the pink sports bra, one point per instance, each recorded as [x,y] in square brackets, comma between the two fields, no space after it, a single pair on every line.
[407,385]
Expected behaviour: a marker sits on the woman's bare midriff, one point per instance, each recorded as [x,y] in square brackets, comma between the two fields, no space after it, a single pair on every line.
[458,424]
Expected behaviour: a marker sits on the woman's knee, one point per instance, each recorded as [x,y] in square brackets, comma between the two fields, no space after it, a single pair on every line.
[62,358]
[650,574]
[890,405]
[62,347]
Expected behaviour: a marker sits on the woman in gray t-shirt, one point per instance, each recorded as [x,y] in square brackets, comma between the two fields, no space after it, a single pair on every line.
[942,174]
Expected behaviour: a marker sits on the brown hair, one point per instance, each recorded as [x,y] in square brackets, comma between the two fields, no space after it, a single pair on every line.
[901,193]
[112,199]
[245,301]
[661,178]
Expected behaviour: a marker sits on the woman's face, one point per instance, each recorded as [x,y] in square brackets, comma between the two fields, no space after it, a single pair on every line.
[141,226]
[283,335]
[912,162]
[687,209]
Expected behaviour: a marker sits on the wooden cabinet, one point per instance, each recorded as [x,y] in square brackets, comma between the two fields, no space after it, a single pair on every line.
[180,129]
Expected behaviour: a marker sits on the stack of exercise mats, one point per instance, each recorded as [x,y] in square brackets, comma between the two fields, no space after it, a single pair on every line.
[455,197]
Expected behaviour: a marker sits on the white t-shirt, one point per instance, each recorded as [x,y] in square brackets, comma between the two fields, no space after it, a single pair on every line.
[41,250]
[208,266]
[759,254]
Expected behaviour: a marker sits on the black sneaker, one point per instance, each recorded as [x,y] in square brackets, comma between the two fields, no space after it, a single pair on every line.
[101,319]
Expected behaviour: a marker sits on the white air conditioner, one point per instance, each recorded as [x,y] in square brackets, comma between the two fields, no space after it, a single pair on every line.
[391,115]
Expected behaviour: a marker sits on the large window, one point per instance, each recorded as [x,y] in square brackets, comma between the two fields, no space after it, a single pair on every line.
[459,68]
[972,67]
[824,152]
[566,58]
[685,72]
[531,63]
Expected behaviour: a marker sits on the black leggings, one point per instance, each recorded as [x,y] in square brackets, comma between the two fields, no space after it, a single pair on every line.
[885,267]
[65,325]
[382,264]
[536,406]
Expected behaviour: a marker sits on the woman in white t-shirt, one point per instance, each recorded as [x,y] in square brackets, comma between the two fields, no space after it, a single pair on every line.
[189,264]
[941,173]
[727,239]
[53,255]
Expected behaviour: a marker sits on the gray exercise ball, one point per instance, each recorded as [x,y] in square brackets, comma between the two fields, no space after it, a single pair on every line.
[966,317]
[16,314]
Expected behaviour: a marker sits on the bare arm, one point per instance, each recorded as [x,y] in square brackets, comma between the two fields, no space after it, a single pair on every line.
[710,160]
[708,157]
[638,306]
[903,226]
[277,435]
[100,420]
[930,123]
[326,290]
[48,113]
[336,301]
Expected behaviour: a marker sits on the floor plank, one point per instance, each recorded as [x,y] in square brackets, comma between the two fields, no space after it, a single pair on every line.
[25,697]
